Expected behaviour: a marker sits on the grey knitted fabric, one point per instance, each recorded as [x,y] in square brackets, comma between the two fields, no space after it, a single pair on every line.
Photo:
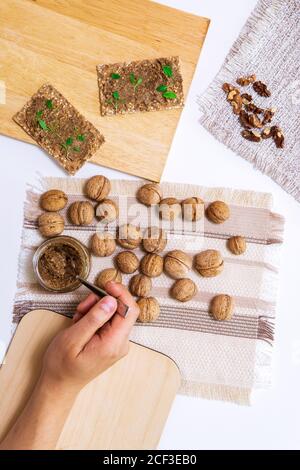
[269,46]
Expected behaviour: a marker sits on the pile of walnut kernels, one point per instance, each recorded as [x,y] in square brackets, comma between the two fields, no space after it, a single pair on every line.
[252,117]
[176,263]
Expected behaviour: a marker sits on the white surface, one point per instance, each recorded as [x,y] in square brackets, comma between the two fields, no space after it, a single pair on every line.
[273,420]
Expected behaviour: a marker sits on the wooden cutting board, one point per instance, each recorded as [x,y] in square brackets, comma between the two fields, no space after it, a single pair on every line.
[124,408]
[62,41]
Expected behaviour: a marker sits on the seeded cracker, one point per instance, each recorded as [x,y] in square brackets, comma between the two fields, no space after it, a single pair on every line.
[145,85]
[59,128]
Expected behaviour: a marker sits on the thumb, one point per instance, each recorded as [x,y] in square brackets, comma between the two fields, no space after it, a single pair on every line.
[82,331]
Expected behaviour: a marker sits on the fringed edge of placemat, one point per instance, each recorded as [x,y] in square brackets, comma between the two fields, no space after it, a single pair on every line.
[237,395]
[264,14]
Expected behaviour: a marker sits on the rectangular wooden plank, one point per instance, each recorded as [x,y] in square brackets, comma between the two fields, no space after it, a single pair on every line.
[61,42]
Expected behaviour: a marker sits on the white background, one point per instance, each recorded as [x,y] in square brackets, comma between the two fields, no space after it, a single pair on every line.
[272,421]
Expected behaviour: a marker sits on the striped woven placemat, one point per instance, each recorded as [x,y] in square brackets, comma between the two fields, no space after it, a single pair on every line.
[218,360]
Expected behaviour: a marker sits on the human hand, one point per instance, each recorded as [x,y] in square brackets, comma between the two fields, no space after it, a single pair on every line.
[95,341]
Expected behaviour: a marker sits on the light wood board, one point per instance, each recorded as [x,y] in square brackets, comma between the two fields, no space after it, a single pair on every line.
[62,41]
[124,408]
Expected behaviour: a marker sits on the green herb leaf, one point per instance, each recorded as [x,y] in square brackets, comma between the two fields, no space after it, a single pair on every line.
[69,141]
[76,149]
[64,146]
[115,76]
[39,114]
[43,124]
[116,95]
[170,95]
[139,81]
[167,70]
[80,138]
[49,104]
[162,88]
[132,79]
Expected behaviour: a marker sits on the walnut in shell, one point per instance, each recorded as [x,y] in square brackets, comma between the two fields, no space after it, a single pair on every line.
[127,262]
[217,212]
[53,200]
[140,285]
[149,194]
[192,208]
[51,224]
[209,263]
[107,275]
[237,245]
[129,236]
[155,240]
[149,309]
[183,290]
[152,265]
[169,208]
[103,244]
[107,211]
[81,213]
[177,264]
[221,307]
[97,187]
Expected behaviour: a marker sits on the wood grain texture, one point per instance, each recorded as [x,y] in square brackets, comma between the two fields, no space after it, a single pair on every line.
[62,41]
[124,408]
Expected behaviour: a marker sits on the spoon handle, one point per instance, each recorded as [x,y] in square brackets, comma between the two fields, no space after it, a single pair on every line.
[122,308]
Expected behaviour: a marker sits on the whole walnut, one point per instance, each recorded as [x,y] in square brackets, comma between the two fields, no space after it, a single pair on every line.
[149,309]
[155,240]
[103,244]
[152,265]
[149,194]
[140,285]
[192,208]
[127,262]
[169,208]
[53,200]
[51,224]
[107,275]
[209,263]
[177,263]
[97,187]
[129,236]
[81,213]
[221,307]
[183,290]
[107,211]
[237,245]
[217,212]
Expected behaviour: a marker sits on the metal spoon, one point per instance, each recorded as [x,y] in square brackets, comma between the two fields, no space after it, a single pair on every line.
[122,309]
